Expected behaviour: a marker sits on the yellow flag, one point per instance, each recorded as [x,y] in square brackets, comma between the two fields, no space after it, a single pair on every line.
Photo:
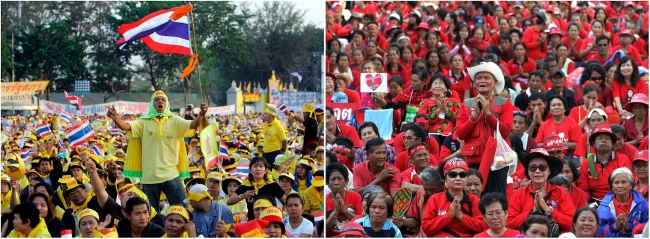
[280,87]
[248,88]
[240,86]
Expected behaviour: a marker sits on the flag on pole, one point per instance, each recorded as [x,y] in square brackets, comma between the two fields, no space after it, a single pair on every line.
[97,151]
[283,107]
[248,88]
[164,31]
[297,76]
[64,116]
[116,131]
[61,146]
[43,130]
[74,100]
[80,134]
[25,152]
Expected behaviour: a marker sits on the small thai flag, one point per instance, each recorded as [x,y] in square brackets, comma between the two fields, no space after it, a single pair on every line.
[241,144]
[29,126]
[116,131]
[65,117]
[61,146]
[283,107]
[25,152]
[74,100]
[97,151]
[223,151]
[99,120]
[242,170]
[43,130]
[80,134]
[322,136]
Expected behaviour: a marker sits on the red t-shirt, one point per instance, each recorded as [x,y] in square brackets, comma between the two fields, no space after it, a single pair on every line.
[533,51]
[528,65]
[363,177]
[578,197]
[625,91]
[459,85]
[586,43]
[409,176]
[623,208]
[353,97]
[599,187]
[631,52]
[568,130]
[510,233]
[351,198]
[577,45]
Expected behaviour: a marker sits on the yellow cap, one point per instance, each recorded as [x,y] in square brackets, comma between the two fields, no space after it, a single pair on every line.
[261,203]
[215,175]
[158,93]
[318,181]
[87,212]
[179,210]
[65,179]
[269,109]
[197,193]
[271,214]
[308,108]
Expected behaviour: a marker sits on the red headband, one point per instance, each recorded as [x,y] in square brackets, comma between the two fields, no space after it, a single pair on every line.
[455,163]
[329,78]
[340,148]
[417,148]
[372,24]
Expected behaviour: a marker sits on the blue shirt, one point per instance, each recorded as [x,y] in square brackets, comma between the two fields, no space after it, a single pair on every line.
[388,230]
[206,225]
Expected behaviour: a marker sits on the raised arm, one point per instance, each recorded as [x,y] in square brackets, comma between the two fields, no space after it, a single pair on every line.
[196,122]
[112,114]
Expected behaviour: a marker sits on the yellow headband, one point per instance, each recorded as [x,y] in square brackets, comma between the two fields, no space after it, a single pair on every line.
[138,192]
[87,212]
[179,210]
[262,203]
[198,196]
[158,93]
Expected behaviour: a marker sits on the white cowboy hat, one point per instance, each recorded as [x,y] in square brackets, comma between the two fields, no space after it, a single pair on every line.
[491,68]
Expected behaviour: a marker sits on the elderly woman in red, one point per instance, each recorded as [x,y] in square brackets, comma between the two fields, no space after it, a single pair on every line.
[637,126]
[453,213]
[478,118]
[595,171]
[540,196]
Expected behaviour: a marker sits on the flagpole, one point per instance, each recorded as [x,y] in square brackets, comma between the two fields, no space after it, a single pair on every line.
[196,51]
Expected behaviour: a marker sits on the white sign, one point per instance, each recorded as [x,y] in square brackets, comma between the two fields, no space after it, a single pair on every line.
[221,110]
[374,82]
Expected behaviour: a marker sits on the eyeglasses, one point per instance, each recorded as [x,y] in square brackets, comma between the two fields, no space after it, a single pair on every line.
[495,214]
[533,168]
[77,190]
[602,45]
[454,174]
[410,137]
[522,113]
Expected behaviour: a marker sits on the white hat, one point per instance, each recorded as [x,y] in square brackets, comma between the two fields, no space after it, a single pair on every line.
[599,111]
[491,68]
[416,12]
[395,15]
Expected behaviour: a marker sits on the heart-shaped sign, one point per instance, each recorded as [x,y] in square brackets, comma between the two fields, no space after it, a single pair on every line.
[378,80]
[373,82]
[369,81]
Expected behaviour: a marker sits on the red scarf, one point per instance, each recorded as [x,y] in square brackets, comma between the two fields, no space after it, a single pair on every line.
[410,96]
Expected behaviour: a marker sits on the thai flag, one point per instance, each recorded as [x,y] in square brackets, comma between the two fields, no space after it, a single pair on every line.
[241,144]
[97,151]
[160,32]
[29,126]
[43,130]
[74,100]
[242,170]
[64,116]
[61,146]
[223,151]
[116,131]
[283,107]
[99,120]
[80,134]
[25,152]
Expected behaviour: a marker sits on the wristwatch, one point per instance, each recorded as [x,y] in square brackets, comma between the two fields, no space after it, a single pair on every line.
[550,211]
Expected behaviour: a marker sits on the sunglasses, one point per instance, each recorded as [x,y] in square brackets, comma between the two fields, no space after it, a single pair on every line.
[409,137]
[602,45]
[453,174]
[533,168]
[522,113]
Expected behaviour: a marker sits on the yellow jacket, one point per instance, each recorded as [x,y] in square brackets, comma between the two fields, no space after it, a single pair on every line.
[40,231]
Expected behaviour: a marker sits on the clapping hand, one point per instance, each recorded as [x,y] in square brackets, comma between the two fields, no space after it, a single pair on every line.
[106,222]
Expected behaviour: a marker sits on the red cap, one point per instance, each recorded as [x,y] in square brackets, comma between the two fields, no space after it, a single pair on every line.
[629,4]
[550,8]
[637,98]
[602,129]
[553,143]
[352,229]
[473,42]
[567,3]
[422,25]
[576,9]
[389,27]
[641,156]
[555,31]
[625,32]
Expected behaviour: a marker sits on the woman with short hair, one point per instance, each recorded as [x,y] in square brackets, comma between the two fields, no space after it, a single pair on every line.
[178,223]
[494,207]
[379,210]
[623,209]
[536,226]
[585,222]
[27,222]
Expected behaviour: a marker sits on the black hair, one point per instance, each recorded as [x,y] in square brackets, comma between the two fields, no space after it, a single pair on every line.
[489,57]
[295,195]
[596,13]
[535,219]
[602,37]
[514,30]
[475,172]
[490,198]
[618,129]
[417,131]
[561,98]
[549,59]
[27,211]
[581,210]
[536,73]
[505,37]
[589,88]
[517,145]
[336,167]
[373,143]
[330,110]
[358,32]
[374,66]
[441,47]
[331,156]
[635,71]
[444,80]
[380,195]
[37,178]
[395,33]
[368,124]
[342,54]
[429,54]
[344,141]
[574,170]
[421,73]
[538,95]
[442,12]
[494,49]
[542,65]
[419,60]
[50,191]
[254,161]
[397,79]
[522,44]
[561,44]
[51,209]
[329,44]
[457,29]
[570,25]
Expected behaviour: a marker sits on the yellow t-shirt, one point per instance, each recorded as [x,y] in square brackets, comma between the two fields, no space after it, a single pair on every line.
[237,208]
[160,156]
[6,200]
[40,231]
[274,135]
[53,151]
[302,186]
[313,200]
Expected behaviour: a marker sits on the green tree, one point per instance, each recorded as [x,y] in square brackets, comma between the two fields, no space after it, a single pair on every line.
[51,53]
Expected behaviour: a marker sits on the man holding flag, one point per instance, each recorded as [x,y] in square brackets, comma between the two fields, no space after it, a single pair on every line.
[157,142]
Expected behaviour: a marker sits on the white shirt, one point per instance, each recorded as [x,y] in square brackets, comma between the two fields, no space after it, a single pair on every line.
[306,227]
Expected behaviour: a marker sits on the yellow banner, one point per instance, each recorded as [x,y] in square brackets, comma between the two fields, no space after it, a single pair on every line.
[21,91]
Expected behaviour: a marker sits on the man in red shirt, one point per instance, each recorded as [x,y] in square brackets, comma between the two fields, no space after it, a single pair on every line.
[602,46]
[625,41]
[376,171]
